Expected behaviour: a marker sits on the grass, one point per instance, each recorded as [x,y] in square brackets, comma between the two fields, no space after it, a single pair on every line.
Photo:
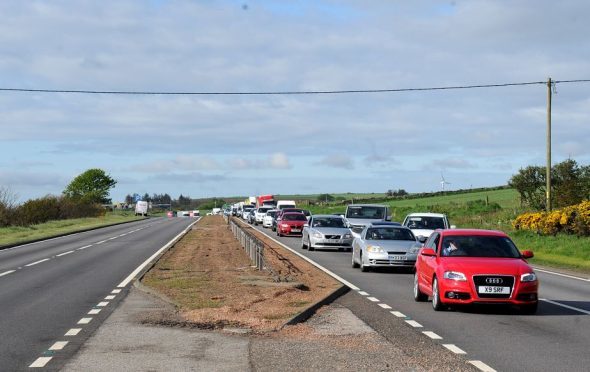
[185,287]
[18,234]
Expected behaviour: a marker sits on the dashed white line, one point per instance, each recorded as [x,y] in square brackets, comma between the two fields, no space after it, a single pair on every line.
[454,348]
[373,299]
[73,332]
[102,304]
[40,362]
[122,235]
[482,366]
[84,320]
[86,246]
[432,335]
[7,272]
[94,311]
[566,306]
[114,237]
[414,323]
[63,254]
[363,293]
[58,345]
[37,262]
[116,291]
[398,314]
[111,297]
[100,242]
[385,306]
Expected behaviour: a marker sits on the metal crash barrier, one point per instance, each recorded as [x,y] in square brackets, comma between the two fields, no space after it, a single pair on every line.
[253,246]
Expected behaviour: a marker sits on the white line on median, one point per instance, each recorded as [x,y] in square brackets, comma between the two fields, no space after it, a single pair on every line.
[73,332]
[363,293]
[482,366]
[58,345]
[63,254]
[560,274]
[566,306]
[385,306]
[7,272]
[116,291]
[84,320]
[398,314]
[454,348]
[432,335]
[111,297]
[373,299]
[153,257]
[37,262]
[40,362]
[414,323]
[102,304]
[94,311]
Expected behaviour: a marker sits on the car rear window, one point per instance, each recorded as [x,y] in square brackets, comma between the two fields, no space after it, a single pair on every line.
[428,223]
[479,246]
[369,212]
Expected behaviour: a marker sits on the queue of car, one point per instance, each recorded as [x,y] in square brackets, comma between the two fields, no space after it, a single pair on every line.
[452,266]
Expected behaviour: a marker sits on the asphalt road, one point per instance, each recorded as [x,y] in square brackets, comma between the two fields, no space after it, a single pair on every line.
[55,293]
[557,338]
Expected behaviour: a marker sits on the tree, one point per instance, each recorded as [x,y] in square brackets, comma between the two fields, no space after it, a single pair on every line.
[530,184]
[129,199]
[91,186]
[325,198]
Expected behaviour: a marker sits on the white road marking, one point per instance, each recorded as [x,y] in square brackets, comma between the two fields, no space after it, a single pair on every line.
[116,291]
[432,335]
[374,299]
[84,320]
[100,242]
[63,254]
[102,304]
[40,362]
[560,274]
[58,345]
[153,257]
[385,306]
[111,297]
[414,323]
[566,306]
[37,262]
[7,272]
[122,235]
[73,332]
[363,293]
[398,314]
[114,237]
[94,311]
[454,348]
[86,246]
[482,366]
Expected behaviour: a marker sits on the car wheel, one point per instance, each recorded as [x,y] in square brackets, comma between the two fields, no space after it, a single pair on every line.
[303,246]
[436,304]
[529,309]
[418,295]
[354,263]
[364,268]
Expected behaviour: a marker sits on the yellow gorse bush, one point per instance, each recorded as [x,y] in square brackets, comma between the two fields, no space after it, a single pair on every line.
[573,219]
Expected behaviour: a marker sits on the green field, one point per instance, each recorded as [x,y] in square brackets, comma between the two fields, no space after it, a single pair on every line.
[16,234]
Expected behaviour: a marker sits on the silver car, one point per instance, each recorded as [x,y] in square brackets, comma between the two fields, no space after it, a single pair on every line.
[326,231]
[385,244]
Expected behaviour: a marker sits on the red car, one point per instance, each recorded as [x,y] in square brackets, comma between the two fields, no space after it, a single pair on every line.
[459,266]
[291,223]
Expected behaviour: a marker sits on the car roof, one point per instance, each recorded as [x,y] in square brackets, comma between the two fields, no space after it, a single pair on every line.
[327,216]
[385,223]
[476,232]
[289,213]
[427,214]
[367,205]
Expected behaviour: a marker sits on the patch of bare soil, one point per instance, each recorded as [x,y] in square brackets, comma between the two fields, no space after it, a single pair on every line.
[209,278]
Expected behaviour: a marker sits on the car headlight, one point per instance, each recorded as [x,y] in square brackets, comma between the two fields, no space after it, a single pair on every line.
[455,275]
[415,249]
[317,235]
[284,225]
[528,277]
[347,236]
[375,249]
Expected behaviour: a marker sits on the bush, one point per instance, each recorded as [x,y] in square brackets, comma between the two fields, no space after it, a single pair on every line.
[49,208]
[574,219]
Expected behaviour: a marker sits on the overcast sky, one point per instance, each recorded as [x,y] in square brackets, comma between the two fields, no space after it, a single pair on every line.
[247,145]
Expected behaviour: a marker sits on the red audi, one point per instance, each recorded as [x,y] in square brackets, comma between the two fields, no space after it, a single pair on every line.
[291,223]
[463,266]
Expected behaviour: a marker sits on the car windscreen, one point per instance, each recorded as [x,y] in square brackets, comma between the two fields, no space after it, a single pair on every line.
[389,233]
[328,222]
[263,210]
[368,212]
[248,209]
[427,223]
[294,217]
[479,246]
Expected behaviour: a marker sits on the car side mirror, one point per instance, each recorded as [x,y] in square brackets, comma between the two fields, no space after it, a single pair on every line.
[527,254]
[428,252]
[421,238]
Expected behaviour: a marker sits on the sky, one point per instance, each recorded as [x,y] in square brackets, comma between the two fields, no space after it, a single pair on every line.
[228,145]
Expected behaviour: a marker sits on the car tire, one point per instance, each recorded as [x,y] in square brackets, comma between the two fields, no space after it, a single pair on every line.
[529,309]
[364,268]
[418,295]
[303,245]
[355,264]
[436,304]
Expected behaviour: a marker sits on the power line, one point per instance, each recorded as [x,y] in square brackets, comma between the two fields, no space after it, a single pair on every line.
[347,91]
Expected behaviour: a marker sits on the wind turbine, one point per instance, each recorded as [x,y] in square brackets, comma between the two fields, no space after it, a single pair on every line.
[443,182]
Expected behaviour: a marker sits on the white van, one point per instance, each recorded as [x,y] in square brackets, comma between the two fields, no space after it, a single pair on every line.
[141,208]
[282,204]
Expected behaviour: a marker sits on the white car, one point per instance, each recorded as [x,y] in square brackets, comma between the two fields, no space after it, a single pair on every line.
[260,213]
[424,224]
[269,217]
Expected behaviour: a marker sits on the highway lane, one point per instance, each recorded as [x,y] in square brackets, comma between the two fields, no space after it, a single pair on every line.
[48,288]
[555,339]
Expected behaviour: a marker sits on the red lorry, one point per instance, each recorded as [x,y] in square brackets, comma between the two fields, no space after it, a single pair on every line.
[265,200]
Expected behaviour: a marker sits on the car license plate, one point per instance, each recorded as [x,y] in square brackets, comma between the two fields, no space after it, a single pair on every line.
[295,230]
[493,290]
[397,258]
[335,241]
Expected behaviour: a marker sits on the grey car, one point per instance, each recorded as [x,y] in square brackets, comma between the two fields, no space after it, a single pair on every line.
[385,245]
[326,231]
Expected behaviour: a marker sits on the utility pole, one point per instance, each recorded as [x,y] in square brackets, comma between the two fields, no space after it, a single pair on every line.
[548,171]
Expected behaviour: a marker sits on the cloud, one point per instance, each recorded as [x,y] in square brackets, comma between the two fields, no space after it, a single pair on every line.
[337,161]
[277,160]
[182,162]
[450,163]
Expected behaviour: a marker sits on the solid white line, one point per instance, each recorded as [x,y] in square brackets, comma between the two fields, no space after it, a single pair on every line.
[398,314]
[58,345]
[109,297]
[73,332]
[116,291]
[40,362]
[86,246]
[560,274]
[38,262]
[94,311]
[84,320]
[7,272]
[153,257]
[385,306]
[363,293]
[63,254]
[374,299]
[482,366]
[340,279]
[102,304]
[454,349]
[414,323]
[566,306]
[432,335]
